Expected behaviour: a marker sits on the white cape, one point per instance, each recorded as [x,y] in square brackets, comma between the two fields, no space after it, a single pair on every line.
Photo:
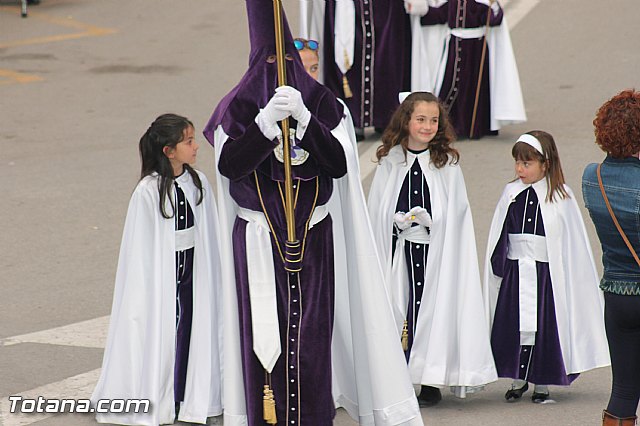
[427,52]
[429,61]
[578,301]
[451,344]
[139,356]
[369,374]
[312,26]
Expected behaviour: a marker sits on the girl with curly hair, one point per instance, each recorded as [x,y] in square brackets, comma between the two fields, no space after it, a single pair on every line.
[424,233]
[612,195]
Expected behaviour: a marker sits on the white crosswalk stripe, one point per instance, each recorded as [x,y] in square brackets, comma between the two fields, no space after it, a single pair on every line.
[86,334]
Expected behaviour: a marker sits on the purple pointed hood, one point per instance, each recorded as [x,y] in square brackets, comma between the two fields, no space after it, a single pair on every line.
[238,108]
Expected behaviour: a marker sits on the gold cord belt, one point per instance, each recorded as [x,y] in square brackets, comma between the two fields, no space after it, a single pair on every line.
[266,215]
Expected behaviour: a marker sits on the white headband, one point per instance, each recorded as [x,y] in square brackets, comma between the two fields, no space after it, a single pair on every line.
[533,141]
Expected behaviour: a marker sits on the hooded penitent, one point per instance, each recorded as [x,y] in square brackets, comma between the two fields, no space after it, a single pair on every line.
[302,334]
[239,108]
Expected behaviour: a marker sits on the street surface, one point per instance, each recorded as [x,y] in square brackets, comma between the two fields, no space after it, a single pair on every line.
[80,81]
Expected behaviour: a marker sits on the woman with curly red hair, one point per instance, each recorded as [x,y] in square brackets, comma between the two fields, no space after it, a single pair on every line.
[612,195]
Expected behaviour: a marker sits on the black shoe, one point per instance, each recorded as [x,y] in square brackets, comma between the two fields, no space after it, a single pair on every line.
[34,2]
[429,396]
[515,394]
[379,130]
[359,134]
[539,398]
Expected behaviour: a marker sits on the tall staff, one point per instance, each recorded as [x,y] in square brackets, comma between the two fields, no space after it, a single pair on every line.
[292,261]
[482,56]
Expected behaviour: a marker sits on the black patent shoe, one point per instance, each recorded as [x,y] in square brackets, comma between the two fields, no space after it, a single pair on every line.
[515,394]
[539,398]
[429,396]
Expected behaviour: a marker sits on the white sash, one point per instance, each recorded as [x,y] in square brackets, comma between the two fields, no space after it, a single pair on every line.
[185,238]
[262,284]
[527,249]
[344,34]
[469,32]
[464,33]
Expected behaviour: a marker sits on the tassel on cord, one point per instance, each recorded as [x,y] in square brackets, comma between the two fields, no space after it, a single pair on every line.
[269,406]
[345,83]
[405,336]
[345,86]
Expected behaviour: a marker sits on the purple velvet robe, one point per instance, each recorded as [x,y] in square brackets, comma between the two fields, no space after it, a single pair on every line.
[184,296]
[460,82]
[382,60]
[542,363]
[301,378]
[414,192]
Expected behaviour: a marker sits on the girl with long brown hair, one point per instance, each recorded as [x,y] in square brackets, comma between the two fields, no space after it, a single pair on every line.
[424,233]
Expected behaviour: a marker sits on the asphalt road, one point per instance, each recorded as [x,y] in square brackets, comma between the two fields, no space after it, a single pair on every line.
[80,81]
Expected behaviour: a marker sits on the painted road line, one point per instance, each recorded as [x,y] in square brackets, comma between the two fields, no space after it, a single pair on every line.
[85,30]
[86,334]
[10,77]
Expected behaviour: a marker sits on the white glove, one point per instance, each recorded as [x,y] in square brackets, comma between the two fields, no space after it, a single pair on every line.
[268,117]
[400,220]
[416,7]
[495,7]
[419,215]
[294,104]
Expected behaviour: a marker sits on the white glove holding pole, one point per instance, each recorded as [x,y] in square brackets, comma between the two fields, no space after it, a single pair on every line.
[293,103]
[401,221]
[416,7]
[419,215]
[268,117]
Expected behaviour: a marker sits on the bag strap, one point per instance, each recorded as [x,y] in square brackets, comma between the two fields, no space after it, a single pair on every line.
[613,216]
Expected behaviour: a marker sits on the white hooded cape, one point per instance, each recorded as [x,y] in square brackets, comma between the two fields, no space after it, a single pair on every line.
[427,51]
[430,46]
[140,354]
[578,300]
[312,26]
[370,378]
[451,344]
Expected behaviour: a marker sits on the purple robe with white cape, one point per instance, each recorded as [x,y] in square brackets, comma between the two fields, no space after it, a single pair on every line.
[576,299]
[446,51]
[369,378]
[141,346]
[344,344]
[369,42]
[451,343]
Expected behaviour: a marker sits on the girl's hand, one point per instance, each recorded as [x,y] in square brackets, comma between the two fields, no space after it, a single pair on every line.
[401,221]
[419,215]
[416,7]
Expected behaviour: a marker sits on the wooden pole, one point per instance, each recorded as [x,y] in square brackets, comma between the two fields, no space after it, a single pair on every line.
[292,250]
[482,56]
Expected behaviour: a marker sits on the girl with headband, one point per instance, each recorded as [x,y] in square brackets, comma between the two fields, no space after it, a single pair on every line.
[541,284]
